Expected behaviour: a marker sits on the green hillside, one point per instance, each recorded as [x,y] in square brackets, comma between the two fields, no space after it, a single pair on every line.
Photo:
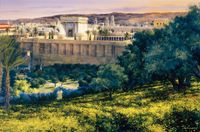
[146,109]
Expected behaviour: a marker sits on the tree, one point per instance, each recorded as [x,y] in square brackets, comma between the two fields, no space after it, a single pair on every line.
[104,32]
[21,86]
[52,75]
[132,59]
[7,30]
[109,78]
[175,53]
[35,31]
[10,58]
[169,59]
[1,73]
[62,78]
[188,29]
[95,33]
[4,40]
[168,54]
[126,36]
[88,34]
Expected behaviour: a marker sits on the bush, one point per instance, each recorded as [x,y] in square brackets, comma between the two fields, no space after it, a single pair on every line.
[87,89]
[181,119]
[36,98]
[104,124]
[69,93]
[36,82]
[22,86]
[138,123]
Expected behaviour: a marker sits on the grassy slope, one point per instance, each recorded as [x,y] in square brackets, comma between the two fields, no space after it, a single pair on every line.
[81,113]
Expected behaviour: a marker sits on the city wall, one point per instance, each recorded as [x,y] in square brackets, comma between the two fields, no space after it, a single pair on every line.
[48,52]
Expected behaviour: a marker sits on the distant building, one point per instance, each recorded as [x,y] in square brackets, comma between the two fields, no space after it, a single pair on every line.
[95,21]
[112,20]
[61,29]
[48,52]
[5,29]
[75,26]
[4,26]
[107,22]
[159,23]
[63,43]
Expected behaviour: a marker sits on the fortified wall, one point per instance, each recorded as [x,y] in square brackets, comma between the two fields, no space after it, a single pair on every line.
[48,52]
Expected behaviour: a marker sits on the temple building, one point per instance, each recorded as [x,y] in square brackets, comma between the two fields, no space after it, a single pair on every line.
[75,27]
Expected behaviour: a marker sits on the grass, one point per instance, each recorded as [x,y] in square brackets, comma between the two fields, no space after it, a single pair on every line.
[145,108]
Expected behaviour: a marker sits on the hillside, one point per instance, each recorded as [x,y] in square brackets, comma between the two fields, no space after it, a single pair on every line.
[121,18]
[144,109]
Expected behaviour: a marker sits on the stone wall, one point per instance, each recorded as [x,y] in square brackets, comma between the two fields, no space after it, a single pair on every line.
[48,52]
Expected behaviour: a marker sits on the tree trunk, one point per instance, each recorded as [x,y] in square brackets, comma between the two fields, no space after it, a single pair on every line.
[110,95]
[182,85]
[7,97]
[187,81]
[197,74]
[173,82]
[1,76]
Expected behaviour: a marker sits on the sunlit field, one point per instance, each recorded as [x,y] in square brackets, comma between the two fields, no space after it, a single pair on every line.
[145,109]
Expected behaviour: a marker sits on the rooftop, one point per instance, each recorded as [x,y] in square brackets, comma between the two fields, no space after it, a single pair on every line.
[4,26]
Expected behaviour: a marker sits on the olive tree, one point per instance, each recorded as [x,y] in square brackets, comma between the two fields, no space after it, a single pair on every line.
[109,78]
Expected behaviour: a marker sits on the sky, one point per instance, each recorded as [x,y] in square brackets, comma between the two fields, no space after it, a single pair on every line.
[14,9]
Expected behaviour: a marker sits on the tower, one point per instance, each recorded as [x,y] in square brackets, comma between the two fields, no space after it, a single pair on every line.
[107,23]
[95,21]
[112,20]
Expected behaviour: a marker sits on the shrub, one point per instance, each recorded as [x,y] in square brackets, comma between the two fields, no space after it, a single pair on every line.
[105,124]
[181,119]
[36,82]
[22,86]
[137,123]
[36,98]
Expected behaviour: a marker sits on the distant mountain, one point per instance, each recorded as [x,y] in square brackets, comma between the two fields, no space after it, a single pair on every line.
[120,18]
[3,21]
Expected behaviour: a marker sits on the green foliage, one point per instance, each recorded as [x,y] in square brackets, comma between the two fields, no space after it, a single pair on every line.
[22,86]
[132,58]
[132,110]
[105,124]
[10,57]
[164,54]
[104,32]
[126,36]
[109,78]
[137,123]
[37,82]
[62,72]
[182,119]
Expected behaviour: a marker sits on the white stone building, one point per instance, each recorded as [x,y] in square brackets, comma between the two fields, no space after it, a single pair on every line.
[75,27]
